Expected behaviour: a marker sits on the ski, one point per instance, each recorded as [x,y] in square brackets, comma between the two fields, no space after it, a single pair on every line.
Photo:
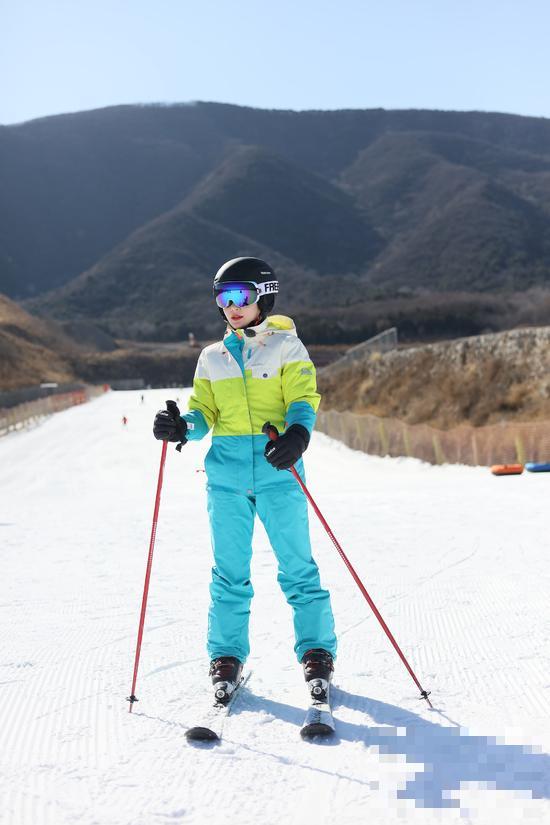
[319,720]
[212,728]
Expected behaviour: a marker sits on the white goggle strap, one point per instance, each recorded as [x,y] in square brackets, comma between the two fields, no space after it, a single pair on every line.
[268,288]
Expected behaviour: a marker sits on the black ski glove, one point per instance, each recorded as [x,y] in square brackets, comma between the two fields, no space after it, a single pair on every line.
[169,425]
[287,448]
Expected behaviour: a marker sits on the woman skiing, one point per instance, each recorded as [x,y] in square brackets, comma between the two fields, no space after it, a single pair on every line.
[259,372]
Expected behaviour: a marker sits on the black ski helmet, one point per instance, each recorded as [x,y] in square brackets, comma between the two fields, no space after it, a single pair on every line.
[252,270]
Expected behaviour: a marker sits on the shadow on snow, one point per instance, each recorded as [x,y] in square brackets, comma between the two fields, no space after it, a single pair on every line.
[449,755]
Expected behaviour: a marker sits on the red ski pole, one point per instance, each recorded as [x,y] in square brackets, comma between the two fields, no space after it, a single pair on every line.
[273,434]
[132,698]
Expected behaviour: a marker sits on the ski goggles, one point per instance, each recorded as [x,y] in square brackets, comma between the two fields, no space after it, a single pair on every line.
[243,293]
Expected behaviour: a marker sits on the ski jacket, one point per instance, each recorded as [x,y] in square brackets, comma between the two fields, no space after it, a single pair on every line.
[239,384]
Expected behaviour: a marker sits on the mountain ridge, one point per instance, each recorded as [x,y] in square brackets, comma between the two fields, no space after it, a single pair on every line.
[349,205]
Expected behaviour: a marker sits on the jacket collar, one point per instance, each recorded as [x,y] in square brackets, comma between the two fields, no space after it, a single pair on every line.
[271,324]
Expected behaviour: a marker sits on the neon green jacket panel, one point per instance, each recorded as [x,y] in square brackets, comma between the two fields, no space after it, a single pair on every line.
[237,398]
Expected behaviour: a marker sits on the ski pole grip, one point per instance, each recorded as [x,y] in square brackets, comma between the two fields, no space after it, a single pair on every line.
[173,408]
[271,431]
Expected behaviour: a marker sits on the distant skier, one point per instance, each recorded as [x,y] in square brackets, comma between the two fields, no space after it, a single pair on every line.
[260,371]
[124,420]
[142,398]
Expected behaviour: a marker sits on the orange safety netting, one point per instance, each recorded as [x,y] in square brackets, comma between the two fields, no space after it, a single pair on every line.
[504,443]
[30,413]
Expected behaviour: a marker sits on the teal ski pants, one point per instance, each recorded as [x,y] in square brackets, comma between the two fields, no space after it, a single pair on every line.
[283,511]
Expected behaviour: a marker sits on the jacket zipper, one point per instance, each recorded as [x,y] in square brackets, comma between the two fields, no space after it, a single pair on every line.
[247,407]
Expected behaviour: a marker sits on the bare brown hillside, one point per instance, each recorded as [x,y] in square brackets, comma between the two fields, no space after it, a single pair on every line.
[480,380]
[32,351]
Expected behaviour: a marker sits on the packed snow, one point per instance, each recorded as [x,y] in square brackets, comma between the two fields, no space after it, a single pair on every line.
[455,559]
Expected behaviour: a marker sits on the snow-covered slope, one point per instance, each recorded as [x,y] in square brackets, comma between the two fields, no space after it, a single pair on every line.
[456,560]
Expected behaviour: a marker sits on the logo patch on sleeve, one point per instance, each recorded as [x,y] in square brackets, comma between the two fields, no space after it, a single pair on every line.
[305,371]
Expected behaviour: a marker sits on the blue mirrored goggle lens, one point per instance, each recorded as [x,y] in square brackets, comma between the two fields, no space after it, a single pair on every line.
[239,295]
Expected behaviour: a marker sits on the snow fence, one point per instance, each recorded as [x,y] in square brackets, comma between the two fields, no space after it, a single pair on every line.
[504,443]
[31,413]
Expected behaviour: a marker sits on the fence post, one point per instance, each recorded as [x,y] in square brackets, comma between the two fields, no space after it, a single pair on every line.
[520,451]
[383,438]
[406,440]
[438,452]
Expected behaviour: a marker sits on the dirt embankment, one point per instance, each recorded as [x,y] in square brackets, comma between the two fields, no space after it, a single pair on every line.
[479,380]
[31,350]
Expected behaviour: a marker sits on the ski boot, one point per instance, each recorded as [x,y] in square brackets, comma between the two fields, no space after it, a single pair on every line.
[318,667]
[226,675]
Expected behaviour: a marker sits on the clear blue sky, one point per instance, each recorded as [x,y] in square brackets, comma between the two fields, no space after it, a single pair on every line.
[67,55]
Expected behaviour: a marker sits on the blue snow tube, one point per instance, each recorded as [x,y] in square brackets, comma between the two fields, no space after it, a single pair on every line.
[538,466]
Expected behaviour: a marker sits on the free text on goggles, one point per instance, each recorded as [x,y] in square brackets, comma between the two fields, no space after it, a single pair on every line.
[243,293]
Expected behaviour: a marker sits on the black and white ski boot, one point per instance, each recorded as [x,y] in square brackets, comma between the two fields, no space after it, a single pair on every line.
[226,672]
[318,667]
